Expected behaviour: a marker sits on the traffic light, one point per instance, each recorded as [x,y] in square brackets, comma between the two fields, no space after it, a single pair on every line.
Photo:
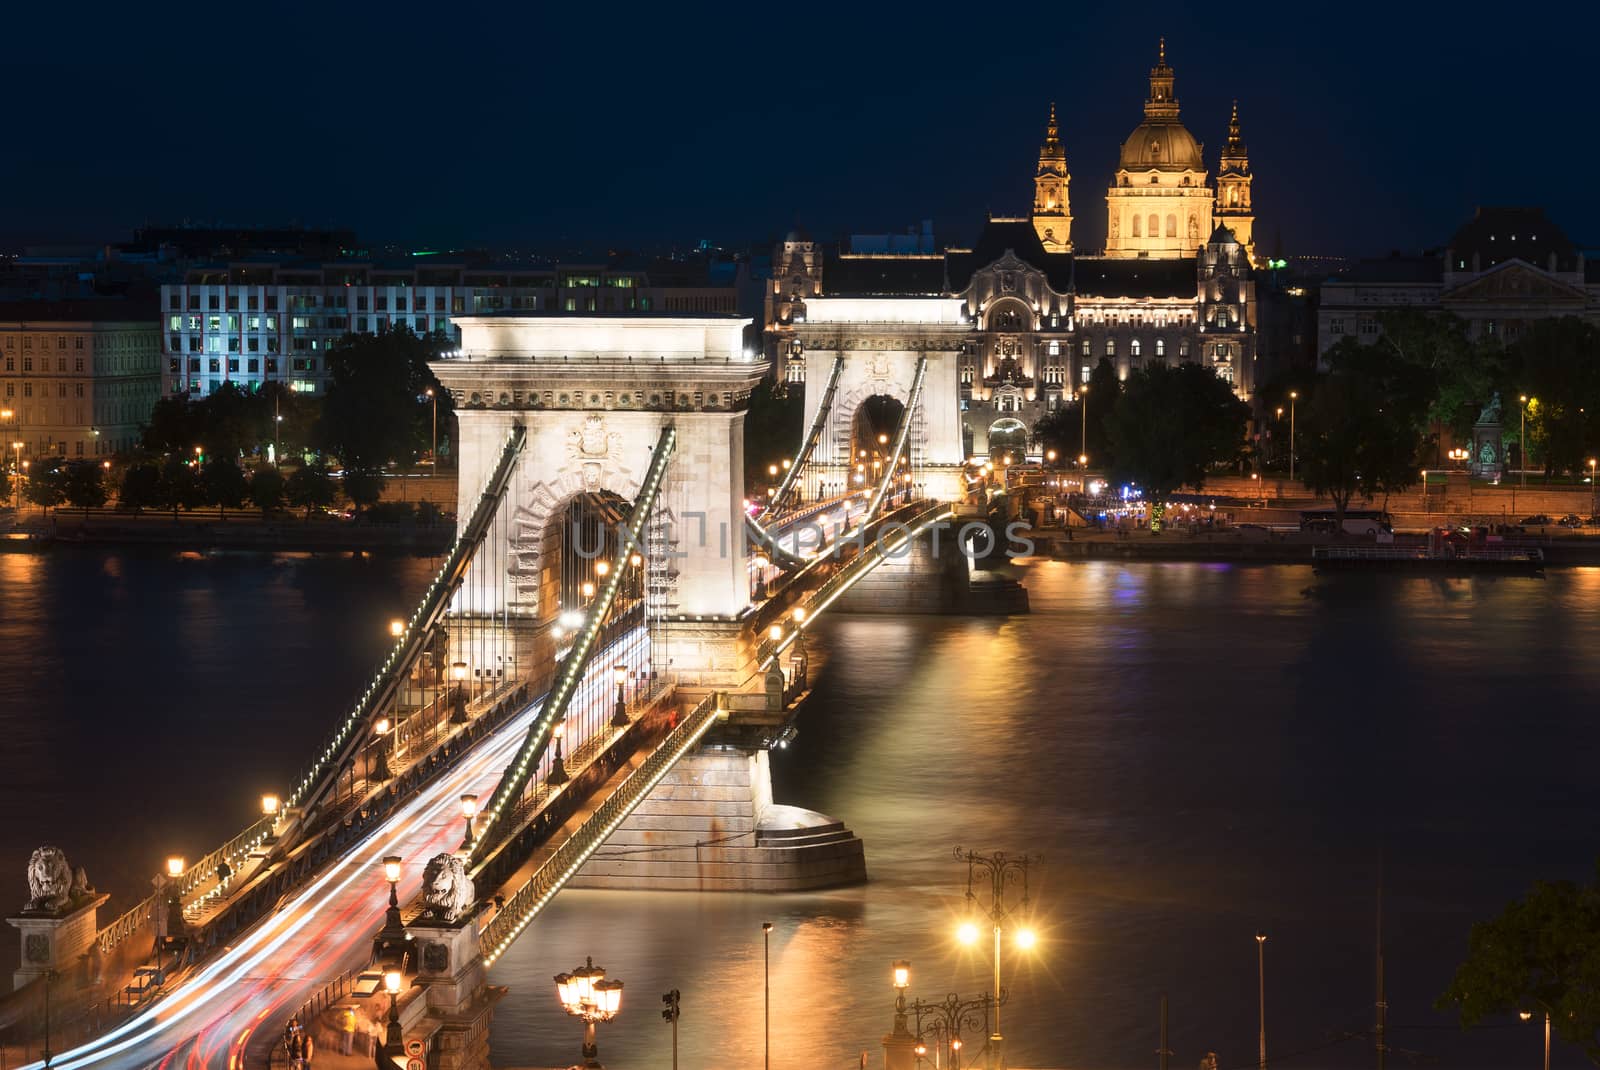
[671,1000]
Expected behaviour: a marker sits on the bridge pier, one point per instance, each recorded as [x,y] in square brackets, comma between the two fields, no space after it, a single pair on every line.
[456,1005]
[935,575]
[712,826]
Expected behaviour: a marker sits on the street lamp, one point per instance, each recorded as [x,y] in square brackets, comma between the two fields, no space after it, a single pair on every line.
[458,677]
[619,713]
[393,1041]
[1261,985]
[1002,870]
[433,448]
[902,980]
[558,768]
[1522,442]
[1083,410]
[469,810]
[1525,1016]
[585,993]
[175,867]
[17,446]
[766,995]
[1293,396]
[397,627]
[380,765]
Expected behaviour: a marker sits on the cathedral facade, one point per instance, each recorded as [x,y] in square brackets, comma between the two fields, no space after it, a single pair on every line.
[1036,314]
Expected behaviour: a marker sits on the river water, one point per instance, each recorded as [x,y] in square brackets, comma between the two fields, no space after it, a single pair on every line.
[1197,752]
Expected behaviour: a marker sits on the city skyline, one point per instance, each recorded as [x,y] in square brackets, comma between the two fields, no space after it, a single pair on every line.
[521,137]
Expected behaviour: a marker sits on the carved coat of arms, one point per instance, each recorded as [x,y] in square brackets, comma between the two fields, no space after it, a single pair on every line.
[591,446]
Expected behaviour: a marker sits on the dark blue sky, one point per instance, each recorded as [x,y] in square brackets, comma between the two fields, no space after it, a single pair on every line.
[1370,127]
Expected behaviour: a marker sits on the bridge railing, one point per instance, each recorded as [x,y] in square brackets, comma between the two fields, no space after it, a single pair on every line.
[902,435]
[553,874]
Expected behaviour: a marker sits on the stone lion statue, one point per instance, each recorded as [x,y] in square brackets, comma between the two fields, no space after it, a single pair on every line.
[446,889]
[49,879]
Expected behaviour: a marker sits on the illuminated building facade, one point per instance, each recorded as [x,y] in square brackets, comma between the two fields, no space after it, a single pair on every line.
[269,320]
[79,378]
[1025,317]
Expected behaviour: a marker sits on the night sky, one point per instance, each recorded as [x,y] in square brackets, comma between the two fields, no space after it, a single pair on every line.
[1370,127]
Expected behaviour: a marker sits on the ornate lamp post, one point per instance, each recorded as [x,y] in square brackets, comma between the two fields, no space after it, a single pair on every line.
[469,810]
[558,768]
[902,981]
[458,678]
[945,1020]
[1261,986]
[1294,395]
[394,1046]
[380,764]
[1527,1015]
[269,810]
[1002,870]
[586,994]
[619,713]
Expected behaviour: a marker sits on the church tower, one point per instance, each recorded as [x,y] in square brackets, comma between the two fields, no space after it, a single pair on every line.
[1159,204]
[1233,189]
[1052,212]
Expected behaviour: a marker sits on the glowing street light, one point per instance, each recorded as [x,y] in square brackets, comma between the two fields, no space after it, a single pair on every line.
[380,765]
[175,866]
[469,810]
[269,806]
[602,569]
[585,993]
[393,927]
[1003,870]
[397,627]
[393,1041]
[902,981]
[587,589]
[619,715]
[558,768]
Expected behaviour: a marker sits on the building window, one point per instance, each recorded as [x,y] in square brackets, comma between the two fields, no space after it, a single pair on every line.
[1134,349]
[1172,226]
[1155,222]
[1136,232]
[1183,347]
[1161,347]
[174,302]
[1084,372]
[1055,349]
[213,302]
[1111,347]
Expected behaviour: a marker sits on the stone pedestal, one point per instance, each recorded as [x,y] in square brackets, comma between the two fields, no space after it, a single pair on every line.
[899,1051]
[55,942]
[457,1003]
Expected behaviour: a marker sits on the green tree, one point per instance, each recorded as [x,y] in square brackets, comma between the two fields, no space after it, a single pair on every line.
[772,430]
[310,487]
[6,487]
[1556,365]
[363,488]
[1065,430]
[46,484]
[376,412]
[181,486]
[85,485]
[224,484]
[266,488]
[141,488]
[1358,434]
[1541,954]
[1170,427]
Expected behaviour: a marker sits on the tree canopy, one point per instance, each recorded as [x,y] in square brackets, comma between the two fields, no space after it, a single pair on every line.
[310,487]
[1539,955]
[85,485]
[1171,425]
[1064,429]
[376,410]
[45,483]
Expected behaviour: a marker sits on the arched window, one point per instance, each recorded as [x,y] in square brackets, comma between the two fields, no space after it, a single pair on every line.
[1088,348]
[1111,347]
[1161,347]
[1155,225]
[1055,349]
[1136,233]
[1172,225]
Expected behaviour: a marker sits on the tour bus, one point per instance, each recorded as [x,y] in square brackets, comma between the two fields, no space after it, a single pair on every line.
[1356,521]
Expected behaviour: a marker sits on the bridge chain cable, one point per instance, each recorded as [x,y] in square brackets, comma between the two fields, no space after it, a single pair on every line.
[572,671]
[901,435]
[552,875]
[415,636]
[807,444]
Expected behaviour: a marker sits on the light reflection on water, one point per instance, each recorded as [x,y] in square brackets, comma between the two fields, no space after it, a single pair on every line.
[1198,752]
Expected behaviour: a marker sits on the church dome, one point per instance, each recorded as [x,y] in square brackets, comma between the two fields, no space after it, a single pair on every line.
[1161,145]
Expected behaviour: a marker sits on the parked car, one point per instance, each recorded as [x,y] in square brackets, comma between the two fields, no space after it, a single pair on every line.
[1571,520]
[1536,520]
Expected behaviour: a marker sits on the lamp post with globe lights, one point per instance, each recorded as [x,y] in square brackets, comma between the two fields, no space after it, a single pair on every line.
[469,810]
[458,688]
[619,713]
[1003,871]
[380,764]
[585,993]
[558,768]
